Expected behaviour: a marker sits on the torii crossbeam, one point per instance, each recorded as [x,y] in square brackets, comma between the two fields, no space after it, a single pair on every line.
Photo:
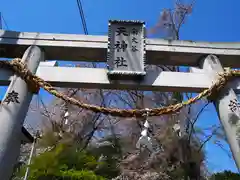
[94,49]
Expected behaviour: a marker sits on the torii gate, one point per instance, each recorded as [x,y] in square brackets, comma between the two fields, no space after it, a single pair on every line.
[126,52]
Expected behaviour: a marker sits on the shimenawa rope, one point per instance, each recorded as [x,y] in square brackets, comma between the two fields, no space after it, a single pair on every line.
[34,82]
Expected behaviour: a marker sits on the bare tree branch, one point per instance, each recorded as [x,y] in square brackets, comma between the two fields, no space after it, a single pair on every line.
[208,138]
[195,120]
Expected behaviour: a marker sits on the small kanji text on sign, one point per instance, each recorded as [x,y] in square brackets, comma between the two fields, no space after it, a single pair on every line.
[121,46]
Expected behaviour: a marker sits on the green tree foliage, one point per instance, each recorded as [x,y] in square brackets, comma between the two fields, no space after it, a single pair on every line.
[225,175]
[111,156]
[67,161]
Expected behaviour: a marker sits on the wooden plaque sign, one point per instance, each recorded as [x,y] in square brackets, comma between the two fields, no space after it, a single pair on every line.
[126,49]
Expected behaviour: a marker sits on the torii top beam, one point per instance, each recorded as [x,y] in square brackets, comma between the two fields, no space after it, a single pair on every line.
[72,47]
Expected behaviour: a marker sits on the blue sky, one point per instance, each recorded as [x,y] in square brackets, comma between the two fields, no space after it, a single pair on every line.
[215,20]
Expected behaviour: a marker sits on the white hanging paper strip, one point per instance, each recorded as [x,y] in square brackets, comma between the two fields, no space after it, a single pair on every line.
[144,132]
[138,143]
[66,114]
[66,121]
[177,129]
[146,124]
[144,139]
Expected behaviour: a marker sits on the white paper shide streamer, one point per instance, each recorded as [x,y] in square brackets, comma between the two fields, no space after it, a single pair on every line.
[177,128]
[66,121]
[66,115]
[145,140]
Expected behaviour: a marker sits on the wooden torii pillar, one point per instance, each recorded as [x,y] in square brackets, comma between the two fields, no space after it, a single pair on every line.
[153,51]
